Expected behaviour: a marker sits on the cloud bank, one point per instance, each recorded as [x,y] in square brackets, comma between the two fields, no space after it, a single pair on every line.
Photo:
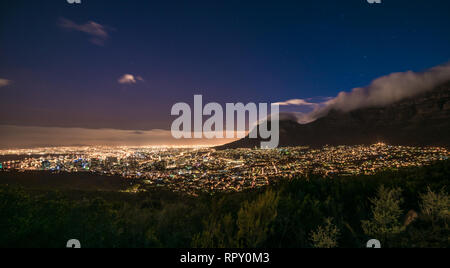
[98,33]
[381,92]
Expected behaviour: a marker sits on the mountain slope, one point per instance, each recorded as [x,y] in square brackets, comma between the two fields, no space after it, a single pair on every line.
[423,120]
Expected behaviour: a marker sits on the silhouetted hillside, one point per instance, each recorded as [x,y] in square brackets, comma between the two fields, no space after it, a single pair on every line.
[422,120]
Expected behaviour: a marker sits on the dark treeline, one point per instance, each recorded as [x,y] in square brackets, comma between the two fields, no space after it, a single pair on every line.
[406,208]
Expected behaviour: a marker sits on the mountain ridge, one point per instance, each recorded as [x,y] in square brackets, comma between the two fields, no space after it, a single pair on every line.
[422,120]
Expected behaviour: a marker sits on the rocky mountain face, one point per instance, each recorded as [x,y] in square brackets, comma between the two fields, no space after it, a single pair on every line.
[423,120]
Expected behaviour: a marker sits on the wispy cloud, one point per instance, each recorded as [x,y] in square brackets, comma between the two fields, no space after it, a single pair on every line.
[98,33]
[301,109]
[129,79]
[4,82]
[296,102]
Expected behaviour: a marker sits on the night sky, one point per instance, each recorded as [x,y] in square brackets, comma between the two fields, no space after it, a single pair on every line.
[61,63]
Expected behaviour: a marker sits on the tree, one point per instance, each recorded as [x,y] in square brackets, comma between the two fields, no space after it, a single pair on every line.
[386,211]
[218,233]
[435,206]
[255,220]
[430,230]
[325,236]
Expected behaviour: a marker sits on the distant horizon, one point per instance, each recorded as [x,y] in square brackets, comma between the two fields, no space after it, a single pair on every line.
[25,137]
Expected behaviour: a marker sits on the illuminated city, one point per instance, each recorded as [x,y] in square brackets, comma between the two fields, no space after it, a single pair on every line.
[201,169]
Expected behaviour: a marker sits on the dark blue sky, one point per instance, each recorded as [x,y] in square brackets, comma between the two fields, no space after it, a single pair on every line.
[229,51]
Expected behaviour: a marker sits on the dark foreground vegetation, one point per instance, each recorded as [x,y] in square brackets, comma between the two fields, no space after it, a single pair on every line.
[64,181]
[406,208]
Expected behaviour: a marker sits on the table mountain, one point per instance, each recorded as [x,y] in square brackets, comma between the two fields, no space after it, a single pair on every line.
[423,120]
